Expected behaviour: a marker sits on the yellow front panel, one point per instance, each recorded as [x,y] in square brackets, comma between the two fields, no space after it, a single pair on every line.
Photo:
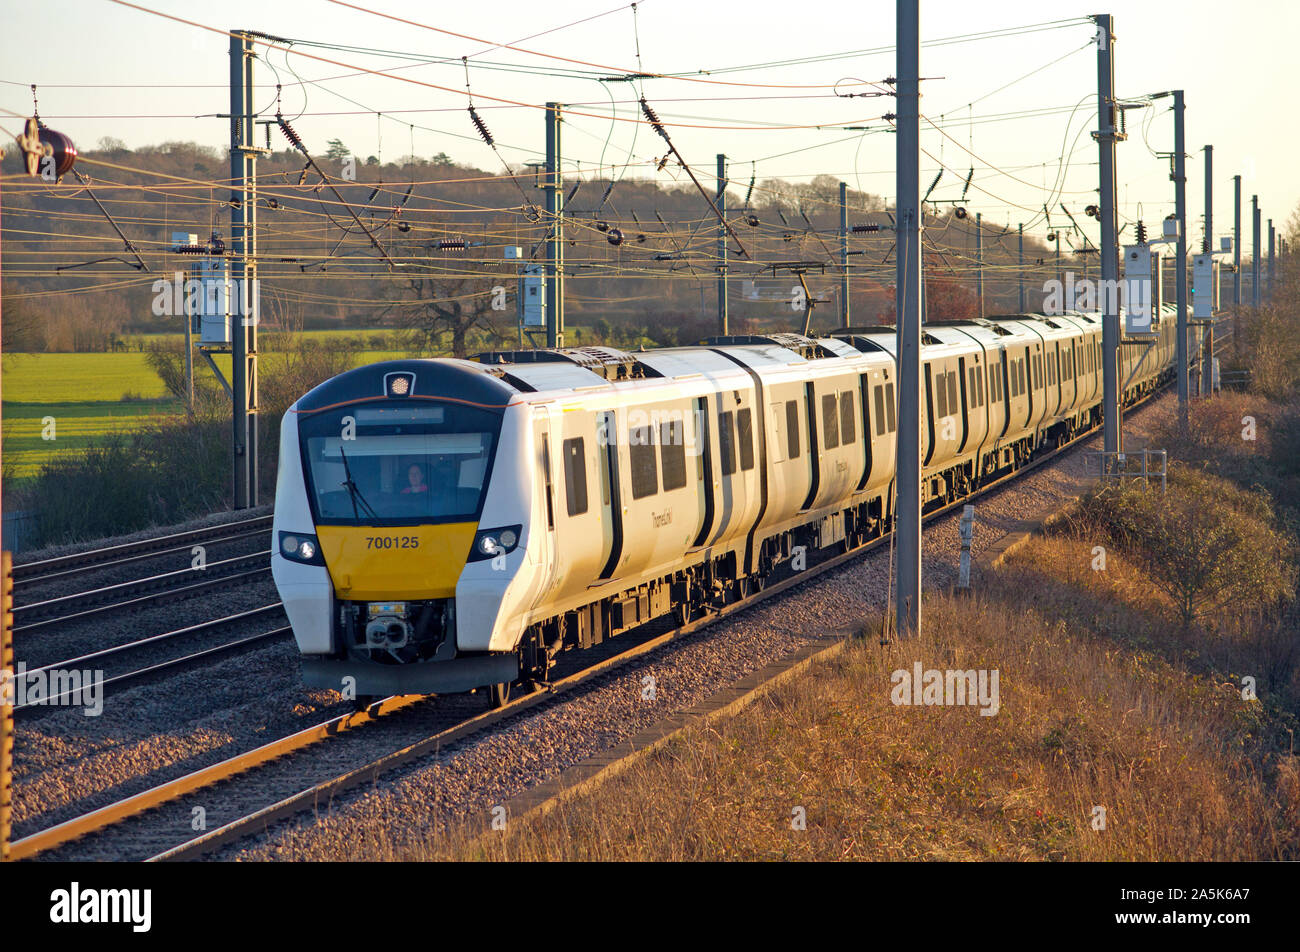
[402,562]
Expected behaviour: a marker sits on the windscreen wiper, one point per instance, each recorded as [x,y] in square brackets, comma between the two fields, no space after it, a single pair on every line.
[351,486]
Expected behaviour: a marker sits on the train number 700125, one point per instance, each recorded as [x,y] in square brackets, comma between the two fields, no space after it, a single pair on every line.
[392,542]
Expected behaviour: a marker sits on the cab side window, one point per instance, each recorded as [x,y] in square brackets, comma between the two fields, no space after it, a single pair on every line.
[575,475]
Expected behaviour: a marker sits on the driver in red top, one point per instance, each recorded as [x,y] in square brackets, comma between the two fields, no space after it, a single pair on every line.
[416,477]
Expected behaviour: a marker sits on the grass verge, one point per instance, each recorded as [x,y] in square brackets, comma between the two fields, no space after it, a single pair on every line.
[1102,704]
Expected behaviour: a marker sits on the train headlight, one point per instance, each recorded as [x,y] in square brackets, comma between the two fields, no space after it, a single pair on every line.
[489,543]
[300,547]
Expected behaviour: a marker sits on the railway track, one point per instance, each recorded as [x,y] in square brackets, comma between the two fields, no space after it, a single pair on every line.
[64,566]
[287,802]
[155,668]
[156,589]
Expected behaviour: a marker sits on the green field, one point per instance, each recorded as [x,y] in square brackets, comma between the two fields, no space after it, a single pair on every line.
[89,396]
[68,378]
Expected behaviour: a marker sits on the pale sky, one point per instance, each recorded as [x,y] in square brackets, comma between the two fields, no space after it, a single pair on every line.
[105,69]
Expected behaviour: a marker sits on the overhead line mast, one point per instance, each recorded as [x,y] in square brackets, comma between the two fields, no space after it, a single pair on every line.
[1107,135]
[908,276]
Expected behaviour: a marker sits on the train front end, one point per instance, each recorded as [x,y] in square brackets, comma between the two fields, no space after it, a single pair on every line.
[402,520]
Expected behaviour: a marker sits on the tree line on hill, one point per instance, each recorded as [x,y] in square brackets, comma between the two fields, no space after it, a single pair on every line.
[71,285]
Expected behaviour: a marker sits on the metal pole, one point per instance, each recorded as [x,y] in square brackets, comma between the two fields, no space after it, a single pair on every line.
[907,512]
[1207,333]
[1179,175]
[243,294]
[1236,241]
[1020,250]
[1109,248]
[8,689]
[554,188]
[1271,240]
[1254,252]
[1060,278]
[844,255]
[721,205]
[979,260]
[187,311]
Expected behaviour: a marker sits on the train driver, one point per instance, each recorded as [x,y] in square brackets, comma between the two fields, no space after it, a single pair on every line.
[415,475]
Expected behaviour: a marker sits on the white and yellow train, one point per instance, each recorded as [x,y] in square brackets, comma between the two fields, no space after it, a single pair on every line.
[446,525]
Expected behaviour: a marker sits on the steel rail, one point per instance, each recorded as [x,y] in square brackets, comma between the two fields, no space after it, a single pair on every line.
[159,597]
[160,669]
[144,548]
[102,565]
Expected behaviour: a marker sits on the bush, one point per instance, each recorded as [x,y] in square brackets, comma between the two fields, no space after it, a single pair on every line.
[161,474]
[1213,439]
[1208,545]
[167,360]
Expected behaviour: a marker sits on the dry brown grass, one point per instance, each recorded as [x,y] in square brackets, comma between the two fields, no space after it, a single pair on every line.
[1098,708]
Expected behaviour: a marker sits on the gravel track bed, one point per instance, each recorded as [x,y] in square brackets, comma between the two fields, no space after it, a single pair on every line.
[216,734]
[27,592]
[154,653]
[462,784]
[61,642]
[69,763]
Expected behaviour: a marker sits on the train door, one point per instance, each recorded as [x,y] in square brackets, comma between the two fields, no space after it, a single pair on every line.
[927,450]
[810,403]
[544,545]
[1004,390]
[704,471]
[868,435]
[611,498]
[967,398]
[1027,380]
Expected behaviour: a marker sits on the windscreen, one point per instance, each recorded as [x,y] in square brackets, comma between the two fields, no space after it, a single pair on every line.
[397,463]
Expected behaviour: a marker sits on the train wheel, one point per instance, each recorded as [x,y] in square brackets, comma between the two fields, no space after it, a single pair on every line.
[498,694]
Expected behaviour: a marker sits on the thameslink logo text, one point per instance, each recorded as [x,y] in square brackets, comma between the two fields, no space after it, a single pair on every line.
[920,686]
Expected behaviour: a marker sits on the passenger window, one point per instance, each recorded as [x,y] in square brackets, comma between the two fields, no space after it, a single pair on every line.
[970,385]
[940,396]
[641,454]
[890,407]
[745,430]
[952,392]
[848,431]
[727,442]
[979,384]
[672,449]
[575,475]
[830,422]
[792,429]
[880,411]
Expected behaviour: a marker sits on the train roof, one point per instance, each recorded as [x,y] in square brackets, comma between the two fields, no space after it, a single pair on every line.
[444,378]
[494,378]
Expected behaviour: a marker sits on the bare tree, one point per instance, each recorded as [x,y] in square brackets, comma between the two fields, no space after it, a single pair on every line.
[451,298]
